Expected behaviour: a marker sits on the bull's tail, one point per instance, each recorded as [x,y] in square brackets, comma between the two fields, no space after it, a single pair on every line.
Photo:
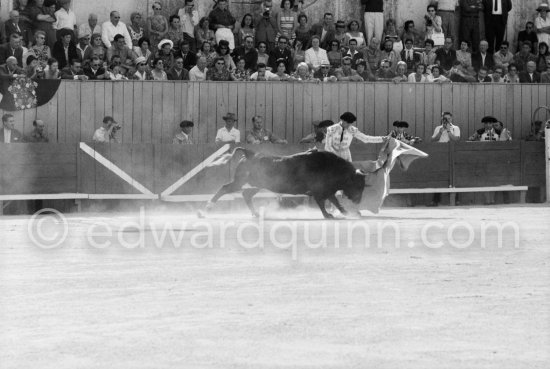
[226,158]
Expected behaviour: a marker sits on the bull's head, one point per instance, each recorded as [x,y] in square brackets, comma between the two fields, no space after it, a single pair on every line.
[353,188]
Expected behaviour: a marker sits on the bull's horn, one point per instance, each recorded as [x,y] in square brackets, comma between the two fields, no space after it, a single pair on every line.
[360,172]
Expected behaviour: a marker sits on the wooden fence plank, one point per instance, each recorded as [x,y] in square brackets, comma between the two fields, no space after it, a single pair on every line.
[359,93]
[369,108]
[169,125]
[62,114]
[307,110]
[420,115]
[147,112]
[118,110]
[88,122]
[381,94]
[157,113]
[137,114]
[279,111]
[128,112]
[298,112]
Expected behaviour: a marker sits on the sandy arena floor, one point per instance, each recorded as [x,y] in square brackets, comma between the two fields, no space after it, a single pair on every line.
[208,295]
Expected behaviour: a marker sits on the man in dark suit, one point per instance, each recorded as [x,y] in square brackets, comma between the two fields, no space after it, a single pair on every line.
[247,52]
[74,71]
[8,72]
[189,57]
[95,70]
[13,25]
[178,72]
[409,56]
[530,75]
[8,133]
[281,52]
[483,58]
[64,49]
[483,76]
[12,48]
[496,17]
[325,31]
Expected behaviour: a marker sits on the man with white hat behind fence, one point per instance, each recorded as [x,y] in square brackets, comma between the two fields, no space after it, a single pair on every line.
[228,133]
[542,24]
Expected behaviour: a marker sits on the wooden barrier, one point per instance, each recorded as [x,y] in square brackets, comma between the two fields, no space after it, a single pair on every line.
[151,111]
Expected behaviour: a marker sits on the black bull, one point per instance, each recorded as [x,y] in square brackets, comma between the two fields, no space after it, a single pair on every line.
[314,173]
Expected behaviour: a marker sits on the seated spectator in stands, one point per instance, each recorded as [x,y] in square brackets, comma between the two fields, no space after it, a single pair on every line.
[8,72]
[142,72]
[189,57]
[487,133]
[303,74]
[9,134]
[33,69]
[241,73]
[389,54]
[528,34]
[334,54]
[12,48]
[219,72]
[373,54]
[262,74]
[410,33]
[39,133]
[315,55]
[503,57]
[117,72]
[364,71]
[246,29]
[353,53]
[512,75]
[354,33]
[39,50]
[246,52]
[260,135]
[52,71]
[339,33]
[542,55]
[13,25]
[400,133]
[94,70]
[326,73]
[74,71]
[228,133]
[502,133]
[524,56]
[43,18]
[536,133]
[222,51]
[410,57]
[135,29]
[447,131]
[324,31]
[209,54]
[204,33]
[142,49]
[281,71]
[114,27]
[280,52]
[483,58]
[346,73]
[90,27]
[108,131]
[96,49]
[530,75]
[158,73]
[385,73]
[483,76]
[178,72]
[436,76]
[65,18]
[446,55]
[319,133]
[64,49]
[198,72]
[545,76]
[497,76]
[223,22]
[82,46]
[542,24]
[428,56]
[433,23]
[303,31]
[298,54]
[263,57]
[119,48]
[463,55]
[419,75]
[398,45]
[401,73]
[184,137]
[175,33]
[164,53]
[390,29]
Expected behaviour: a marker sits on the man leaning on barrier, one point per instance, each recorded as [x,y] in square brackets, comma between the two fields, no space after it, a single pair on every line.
[108,131]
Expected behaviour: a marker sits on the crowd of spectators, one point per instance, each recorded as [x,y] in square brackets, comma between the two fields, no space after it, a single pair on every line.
[276,44]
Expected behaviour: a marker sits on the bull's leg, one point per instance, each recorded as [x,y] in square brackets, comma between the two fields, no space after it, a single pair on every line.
[321,203]
[336,203]
[248,193]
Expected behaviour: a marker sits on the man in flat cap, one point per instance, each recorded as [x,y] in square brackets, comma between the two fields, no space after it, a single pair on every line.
[340,136]
[184,137]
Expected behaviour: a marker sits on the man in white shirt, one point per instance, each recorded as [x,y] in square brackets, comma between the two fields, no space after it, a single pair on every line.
[315,56]
[112,28]
[542,24]
[447,131]
[263,74]
[189,18]
[229,133]
[107,132]
[65,19]
[198,72]
[184,136]
[91,27]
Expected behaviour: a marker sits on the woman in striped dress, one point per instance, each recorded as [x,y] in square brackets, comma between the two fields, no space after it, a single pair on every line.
[287,21]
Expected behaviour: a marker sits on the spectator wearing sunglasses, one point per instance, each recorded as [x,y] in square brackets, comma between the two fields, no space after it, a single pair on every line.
[95,70]
[528,34]
[219,72]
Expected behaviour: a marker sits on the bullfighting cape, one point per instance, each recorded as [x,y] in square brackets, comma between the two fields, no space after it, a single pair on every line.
[377,182]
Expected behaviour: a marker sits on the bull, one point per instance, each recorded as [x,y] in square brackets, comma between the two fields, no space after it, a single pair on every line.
[314,173]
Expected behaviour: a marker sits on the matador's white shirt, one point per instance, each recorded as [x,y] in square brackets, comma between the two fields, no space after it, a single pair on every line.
[339,145]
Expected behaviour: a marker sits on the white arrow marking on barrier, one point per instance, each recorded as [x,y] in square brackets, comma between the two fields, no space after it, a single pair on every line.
[193,172]
[113,168]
